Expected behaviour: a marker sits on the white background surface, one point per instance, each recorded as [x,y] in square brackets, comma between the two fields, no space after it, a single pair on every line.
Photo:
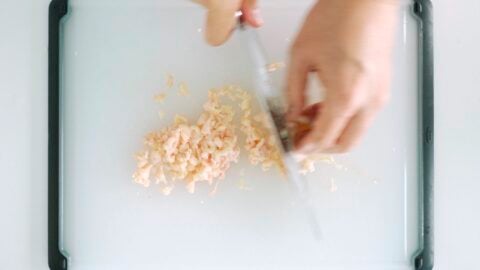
[23,71]
[114,58]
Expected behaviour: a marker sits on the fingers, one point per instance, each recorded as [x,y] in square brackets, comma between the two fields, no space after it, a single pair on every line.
[339,134]
[296,82]
[361,121]
[353,132]
[312,110]
[342,103]
[326,128]
[302,126]
[220,23]
[221,18]
[251,14]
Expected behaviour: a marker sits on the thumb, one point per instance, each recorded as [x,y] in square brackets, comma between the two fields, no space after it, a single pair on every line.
[220,22]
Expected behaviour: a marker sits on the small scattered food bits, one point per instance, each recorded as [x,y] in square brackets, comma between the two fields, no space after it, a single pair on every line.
[161,114]
[275,66]
[183,89]
[190,152]
[169,81]
[203,151]
[160,97]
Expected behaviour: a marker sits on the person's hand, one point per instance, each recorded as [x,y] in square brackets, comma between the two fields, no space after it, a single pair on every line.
[348,44]
[221,17]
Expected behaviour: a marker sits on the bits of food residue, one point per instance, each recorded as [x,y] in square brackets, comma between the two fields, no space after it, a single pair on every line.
[214,189]
[190,152]
[203,150]
[275,66]
[169,81]
[307,163]
[166,190]
[161,114]
[160,97]
[333,185]
[242,185]
[260,143]
[183,89]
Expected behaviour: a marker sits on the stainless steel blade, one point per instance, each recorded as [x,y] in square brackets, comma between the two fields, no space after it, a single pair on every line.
[271,101]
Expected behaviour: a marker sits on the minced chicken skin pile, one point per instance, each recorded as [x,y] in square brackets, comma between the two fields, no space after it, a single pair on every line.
[203,151]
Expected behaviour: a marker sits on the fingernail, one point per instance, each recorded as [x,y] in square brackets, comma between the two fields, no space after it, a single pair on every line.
[257,16]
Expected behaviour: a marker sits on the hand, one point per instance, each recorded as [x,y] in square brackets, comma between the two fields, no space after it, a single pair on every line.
[221,17]
[348,44]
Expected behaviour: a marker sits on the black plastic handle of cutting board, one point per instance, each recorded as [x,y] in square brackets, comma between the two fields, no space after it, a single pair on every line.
[423,259]
[56,259]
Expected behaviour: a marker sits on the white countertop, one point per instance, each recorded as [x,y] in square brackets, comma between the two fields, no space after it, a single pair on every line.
[23,111]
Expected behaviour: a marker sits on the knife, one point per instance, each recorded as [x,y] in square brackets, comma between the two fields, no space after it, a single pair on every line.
[271,101]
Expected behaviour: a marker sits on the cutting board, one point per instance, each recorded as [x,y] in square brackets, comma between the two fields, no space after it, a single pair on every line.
[115,55]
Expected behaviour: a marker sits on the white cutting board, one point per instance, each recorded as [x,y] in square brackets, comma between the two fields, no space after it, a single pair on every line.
[115,56]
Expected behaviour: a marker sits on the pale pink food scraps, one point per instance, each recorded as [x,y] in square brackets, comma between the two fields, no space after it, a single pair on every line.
[189,152]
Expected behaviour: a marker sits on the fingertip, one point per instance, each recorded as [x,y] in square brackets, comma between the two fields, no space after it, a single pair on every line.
[312,141]
[251,13]
[252,16]
[306,143]
[306,146]
[214,40]
[257,19]
[216,37]
[219,26]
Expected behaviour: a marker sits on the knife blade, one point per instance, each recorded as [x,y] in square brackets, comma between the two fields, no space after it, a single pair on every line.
[271,102]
